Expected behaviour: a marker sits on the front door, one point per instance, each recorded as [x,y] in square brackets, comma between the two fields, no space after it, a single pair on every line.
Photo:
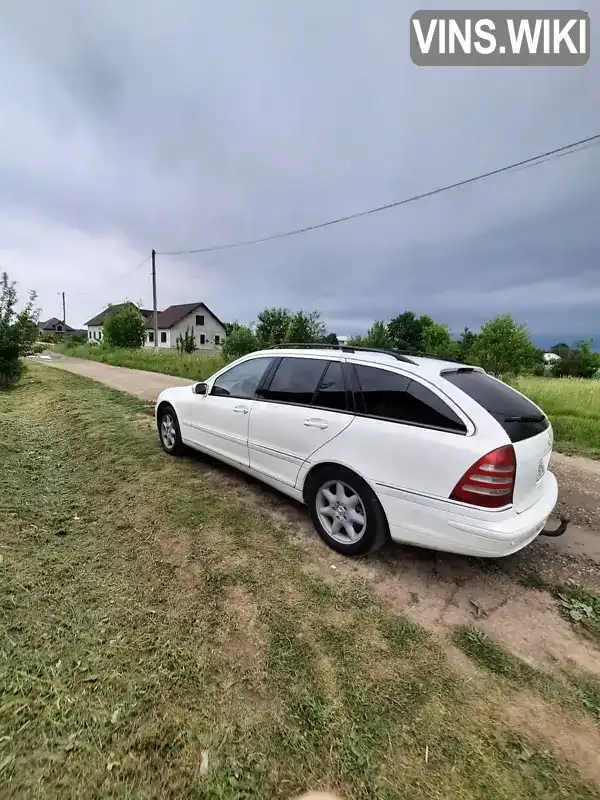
[219,419]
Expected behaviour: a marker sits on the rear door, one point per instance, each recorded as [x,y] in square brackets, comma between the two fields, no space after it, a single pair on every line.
[304,406]
[406,436]
[526,425]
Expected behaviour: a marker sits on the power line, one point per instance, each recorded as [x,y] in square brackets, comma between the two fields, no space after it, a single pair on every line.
[567,149]
[116,278]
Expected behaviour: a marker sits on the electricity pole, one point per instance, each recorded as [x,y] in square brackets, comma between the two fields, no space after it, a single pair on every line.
[64,320]
[155,307]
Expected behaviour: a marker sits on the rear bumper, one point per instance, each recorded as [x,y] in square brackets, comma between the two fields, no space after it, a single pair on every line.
[442,526]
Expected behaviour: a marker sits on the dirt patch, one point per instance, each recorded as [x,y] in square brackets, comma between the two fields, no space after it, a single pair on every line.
[579,488]
[572,739]
[241,634]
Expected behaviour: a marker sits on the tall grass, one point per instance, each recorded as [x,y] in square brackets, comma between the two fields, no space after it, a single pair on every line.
[195,366]
[573,405]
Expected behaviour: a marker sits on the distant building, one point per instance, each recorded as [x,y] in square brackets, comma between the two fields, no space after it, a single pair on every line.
[54,325]
[207,328]
[551,358]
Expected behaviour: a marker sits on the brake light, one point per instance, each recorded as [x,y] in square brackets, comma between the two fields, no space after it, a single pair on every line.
[490,482]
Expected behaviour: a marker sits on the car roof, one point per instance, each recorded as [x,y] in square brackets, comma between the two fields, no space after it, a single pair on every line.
[420,365]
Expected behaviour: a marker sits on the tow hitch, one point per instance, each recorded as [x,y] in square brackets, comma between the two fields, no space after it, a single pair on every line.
[564,524]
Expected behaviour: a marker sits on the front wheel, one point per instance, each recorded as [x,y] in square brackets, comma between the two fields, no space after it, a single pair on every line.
[346,512]
[168,429]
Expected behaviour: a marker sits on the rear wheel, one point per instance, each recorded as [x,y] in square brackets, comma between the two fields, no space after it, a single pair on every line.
[168,429]
[345,511]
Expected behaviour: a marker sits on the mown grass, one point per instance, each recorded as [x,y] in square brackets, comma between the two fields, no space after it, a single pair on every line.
[573,405]
[162,638]
[195,366]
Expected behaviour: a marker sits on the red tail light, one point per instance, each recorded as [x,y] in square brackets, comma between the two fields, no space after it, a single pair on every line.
[490,482]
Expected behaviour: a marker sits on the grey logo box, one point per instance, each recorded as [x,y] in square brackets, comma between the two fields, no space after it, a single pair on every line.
[500,38]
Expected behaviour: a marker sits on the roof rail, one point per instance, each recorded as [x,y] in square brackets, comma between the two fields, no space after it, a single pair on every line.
[346,348]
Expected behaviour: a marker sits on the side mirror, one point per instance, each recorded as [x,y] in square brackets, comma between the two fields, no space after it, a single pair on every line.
[199,388]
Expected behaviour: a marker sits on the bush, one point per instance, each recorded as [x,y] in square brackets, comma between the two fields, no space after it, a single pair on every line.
[239,342]
[185,342]
[580,362]
[18,333]
[124,327]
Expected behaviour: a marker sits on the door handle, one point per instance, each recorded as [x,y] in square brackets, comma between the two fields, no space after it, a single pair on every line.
[240,409]
[315,423]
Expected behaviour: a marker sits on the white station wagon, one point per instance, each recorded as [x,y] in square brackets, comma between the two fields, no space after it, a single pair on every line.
[378,445]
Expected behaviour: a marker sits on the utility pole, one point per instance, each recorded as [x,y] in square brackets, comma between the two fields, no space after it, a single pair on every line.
[64,320]
[155,306]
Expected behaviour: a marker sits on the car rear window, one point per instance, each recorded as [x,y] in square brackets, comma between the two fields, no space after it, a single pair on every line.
[519,417]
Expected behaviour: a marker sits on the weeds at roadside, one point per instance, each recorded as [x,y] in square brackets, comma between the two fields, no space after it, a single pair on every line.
[581,608]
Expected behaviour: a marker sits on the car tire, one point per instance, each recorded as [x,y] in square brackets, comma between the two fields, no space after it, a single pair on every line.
[341,491]
[169,431]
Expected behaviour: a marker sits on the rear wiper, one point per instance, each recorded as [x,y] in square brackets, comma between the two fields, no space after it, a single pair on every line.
[526,418]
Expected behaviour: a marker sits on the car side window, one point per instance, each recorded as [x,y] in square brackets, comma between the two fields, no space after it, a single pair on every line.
[295,381]
[242,380]
[331,392]
[397,397]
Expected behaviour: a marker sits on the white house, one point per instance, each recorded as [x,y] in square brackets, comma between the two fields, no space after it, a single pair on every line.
[551,358]
[207,328]
[95,326]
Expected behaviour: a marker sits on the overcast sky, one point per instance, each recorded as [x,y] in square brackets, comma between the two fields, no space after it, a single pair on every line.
[132,124]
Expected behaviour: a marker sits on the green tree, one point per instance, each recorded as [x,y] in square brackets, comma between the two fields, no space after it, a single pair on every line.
[239,341]
[318,330]
[124,326]
[377,336]
[300,329]
[580,362]
[186,342]
[18,332]
[272,326]
[561,349]
[406,331]
[437,340]
[330,338]
[465,345]
[503,347]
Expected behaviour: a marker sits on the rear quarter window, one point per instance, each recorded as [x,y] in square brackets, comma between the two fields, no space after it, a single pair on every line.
[519,417]
[388,395]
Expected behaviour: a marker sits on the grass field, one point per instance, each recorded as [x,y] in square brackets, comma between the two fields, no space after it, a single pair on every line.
[194,366]
[572,404]
[165,636]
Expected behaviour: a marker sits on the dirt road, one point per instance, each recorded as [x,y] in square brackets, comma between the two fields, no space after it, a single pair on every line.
[578,478]
[145,385]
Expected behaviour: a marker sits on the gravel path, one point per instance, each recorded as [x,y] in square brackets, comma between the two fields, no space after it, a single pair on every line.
[578,477]
[145,385]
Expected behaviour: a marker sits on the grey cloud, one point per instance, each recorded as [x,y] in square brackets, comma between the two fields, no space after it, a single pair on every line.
[174,125]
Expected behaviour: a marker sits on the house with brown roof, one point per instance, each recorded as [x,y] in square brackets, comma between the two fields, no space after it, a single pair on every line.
[207,328]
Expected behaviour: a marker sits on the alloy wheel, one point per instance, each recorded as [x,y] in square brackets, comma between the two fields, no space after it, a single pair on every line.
[341,512]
